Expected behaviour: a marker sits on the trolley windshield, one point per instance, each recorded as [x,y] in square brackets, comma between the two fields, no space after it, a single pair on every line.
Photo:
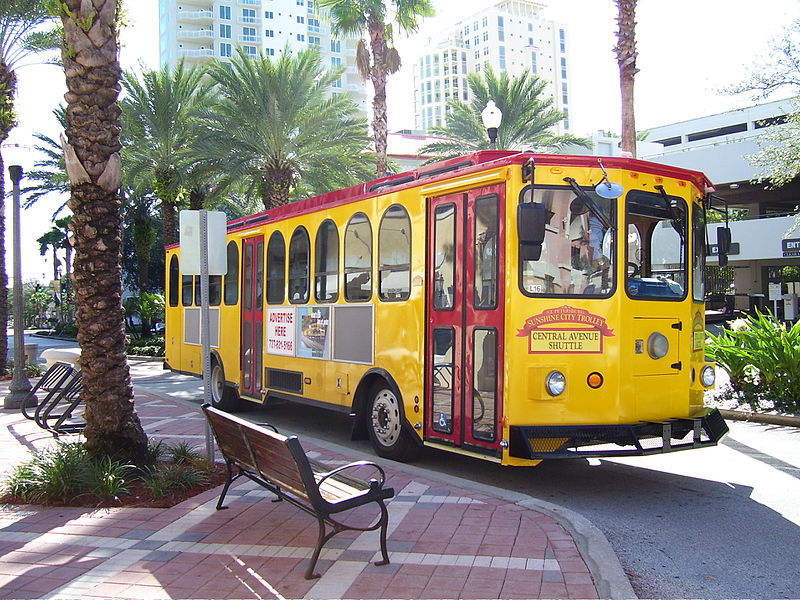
[577,257]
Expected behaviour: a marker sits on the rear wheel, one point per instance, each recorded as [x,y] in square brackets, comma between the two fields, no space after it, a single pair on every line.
[385,424]
[223,397]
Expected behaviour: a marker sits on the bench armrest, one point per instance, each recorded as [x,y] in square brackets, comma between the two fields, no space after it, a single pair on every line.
[358,463]
[268,426]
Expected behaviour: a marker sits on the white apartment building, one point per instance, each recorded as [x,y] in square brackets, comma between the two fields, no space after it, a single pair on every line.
[200,30]
[510,36]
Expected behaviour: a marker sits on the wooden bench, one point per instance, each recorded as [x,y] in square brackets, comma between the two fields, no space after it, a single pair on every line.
[279,464]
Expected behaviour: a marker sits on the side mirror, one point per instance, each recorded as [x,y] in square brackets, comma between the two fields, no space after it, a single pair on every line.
[723,245]
[531,221]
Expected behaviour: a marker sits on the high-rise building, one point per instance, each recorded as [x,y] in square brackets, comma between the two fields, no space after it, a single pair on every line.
[510,36]
[200,30]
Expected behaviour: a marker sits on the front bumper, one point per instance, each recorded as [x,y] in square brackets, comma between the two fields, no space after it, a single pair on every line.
[636,439]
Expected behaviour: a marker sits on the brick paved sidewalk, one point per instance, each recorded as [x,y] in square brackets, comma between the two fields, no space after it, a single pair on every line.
[444,541]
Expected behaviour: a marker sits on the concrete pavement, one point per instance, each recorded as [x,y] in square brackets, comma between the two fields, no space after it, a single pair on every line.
[449,537]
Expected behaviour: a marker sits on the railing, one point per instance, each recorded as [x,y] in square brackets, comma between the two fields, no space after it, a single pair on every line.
[248,20]
[196,33]
[188,15]
[197,52]
[254,39]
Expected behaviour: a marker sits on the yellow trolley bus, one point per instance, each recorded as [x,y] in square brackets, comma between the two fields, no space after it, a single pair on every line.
[511,306]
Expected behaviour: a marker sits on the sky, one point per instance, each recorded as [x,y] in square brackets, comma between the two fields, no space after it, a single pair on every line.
[687,51]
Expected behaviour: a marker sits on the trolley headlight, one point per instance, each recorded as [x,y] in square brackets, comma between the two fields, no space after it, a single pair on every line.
[708,376]
[555,382]
[657,345]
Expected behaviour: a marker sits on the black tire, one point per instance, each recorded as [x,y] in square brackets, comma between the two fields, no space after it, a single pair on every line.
[385,422]
[223,397]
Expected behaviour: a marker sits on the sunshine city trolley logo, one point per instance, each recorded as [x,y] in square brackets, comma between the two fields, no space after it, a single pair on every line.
[565,330]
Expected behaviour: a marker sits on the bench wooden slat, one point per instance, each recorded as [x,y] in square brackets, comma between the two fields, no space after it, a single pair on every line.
[279,464]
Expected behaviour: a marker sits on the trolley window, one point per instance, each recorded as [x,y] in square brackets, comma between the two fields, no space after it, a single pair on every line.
[326,262]
[394,255]
[260,275]
[358,259]
[577,257]
[443,385]
[698,253]
[299,247]
[248,277]
[276,268]
[232,276]
[187,290]
[484,383]
[485,252]
[214,289]
[174,280]
[657,245]
[444,243]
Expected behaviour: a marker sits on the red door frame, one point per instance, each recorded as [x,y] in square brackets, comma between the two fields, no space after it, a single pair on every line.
[252,303]
[464,319]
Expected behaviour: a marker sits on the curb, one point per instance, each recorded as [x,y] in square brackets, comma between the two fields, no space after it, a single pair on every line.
[763,418]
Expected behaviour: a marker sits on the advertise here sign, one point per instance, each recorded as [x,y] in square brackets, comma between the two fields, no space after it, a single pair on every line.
[281,331]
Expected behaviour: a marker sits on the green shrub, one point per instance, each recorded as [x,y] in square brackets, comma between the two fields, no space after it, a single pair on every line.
[54,473]
[762,358]
[170,478]
[31,369]
[106,479]
[67,470]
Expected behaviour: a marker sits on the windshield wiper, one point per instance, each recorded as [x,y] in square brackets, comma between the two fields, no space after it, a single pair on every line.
[673,212]
[589,202]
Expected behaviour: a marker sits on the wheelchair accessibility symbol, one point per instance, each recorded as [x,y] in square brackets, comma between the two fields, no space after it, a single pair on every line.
[442,420]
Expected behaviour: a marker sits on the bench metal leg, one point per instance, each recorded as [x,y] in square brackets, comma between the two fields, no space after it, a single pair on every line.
[321,539]
[384,524]
[231,479]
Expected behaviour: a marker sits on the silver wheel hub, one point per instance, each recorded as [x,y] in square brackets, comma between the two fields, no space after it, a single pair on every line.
[386,418]
[217,383]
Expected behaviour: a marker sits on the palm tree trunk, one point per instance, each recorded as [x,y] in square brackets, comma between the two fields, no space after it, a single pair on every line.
[93,165]
[170,215]
[626,59]
[276,185]
[378,77]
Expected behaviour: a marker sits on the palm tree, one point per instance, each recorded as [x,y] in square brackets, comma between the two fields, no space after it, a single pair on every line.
[528,117]
[161,113]
[58,239]
[21,35]
[50,173]
[356,17]
[275,123]
[91,149]
[141,232]
[626,59]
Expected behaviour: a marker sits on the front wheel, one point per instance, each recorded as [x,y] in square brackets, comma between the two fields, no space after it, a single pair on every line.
[223,397]
[385,424]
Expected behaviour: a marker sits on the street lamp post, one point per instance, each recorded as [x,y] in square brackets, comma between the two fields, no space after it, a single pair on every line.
[491,117]
[20,387]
